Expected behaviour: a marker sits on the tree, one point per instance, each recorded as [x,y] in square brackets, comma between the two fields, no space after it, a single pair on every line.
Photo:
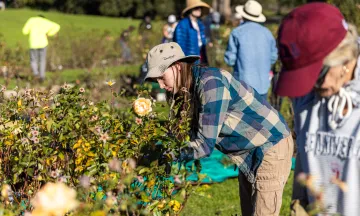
[349,10]
[110,7]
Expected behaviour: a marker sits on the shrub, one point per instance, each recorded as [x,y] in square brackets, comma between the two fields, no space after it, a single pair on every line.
[117,161]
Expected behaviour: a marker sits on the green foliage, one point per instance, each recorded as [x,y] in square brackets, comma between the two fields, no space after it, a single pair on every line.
[349,10]
[47,137]
[110,7]
[78,26]
[133,8]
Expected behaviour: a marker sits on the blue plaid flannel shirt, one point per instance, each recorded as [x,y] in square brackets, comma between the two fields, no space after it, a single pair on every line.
[235,119]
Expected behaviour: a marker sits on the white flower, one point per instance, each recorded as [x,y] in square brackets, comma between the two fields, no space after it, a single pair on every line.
[82,90]
[24,141]
[35,133]
[54,199]
[142,106]
[16,131]
[55,173]
[98,129]
[140,179]
[63,179]
[35,140]
[85,181]
[110,83]
[128,135]
[104,137]
[115,165]
[138,121]
[94,118]
[177,179]
[67,86]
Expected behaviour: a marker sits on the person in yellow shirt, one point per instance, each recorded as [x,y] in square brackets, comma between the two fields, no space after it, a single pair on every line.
[39,28]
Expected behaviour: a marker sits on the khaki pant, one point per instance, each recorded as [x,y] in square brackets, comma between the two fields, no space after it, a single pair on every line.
[264,198]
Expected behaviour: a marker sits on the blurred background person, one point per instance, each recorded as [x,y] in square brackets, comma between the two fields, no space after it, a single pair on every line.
[145,25]
[321,73]
[212,27]
[2,6]
[190,31]
[39,29]
[124,44]
[169,29]
[216,51]
[252,49]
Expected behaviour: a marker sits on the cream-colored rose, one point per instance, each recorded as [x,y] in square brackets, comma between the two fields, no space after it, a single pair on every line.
[54,199]
[142,106]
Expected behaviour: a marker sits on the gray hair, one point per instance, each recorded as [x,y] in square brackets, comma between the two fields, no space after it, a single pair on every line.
[347,50]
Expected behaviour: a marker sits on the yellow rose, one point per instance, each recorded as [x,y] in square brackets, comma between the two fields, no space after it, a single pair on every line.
[6,191]
[142,106]
[175,205]
[54,199]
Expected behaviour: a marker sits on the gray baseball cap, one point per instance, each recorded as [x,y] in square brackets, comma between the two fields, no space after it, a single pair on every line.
[162,56]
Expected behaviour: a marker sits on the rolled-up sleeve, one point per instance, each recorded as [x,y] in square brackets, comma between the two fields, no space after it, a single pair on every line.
[215,98]
[274,50]
[231,51]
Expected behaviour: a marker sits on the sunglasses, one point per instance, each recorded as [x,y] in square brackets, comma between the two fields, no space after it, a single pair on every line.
[325,69]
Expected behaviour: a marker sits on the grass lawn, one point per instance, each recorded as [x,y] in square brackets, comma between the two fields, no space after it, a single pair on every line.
[13,20]
[71,75]
[224,200]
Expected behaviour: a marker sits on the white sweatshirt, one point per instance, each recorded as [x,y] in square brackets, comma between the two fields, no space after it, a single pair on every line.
[326,152]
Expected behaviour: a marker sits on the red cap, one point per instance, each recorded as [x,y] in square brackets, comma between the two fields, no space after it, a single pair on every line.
[306,36]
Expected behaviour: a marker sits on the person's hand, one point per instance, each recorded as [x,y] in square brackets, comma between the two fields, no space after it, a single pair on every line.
[167,157]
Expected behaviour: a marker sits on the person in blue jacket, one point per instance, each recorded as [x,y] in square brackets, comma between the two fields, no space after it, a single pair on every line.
[190,32]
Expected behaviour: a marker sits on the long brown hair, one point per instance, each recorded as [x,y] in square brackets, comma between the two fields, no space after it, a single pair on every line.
[186,97]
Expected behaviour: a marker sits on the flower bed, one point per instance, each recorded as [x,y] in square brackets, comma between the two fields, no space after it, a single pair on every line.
[62,152]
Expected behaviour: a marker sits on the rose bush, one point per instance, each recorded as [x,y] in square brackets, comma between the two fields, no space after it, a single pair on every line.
[117,161]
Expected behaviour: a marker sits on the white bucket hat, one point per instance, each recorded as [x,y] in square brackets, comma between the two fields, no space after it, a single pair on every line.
[252,10]
[238,11]
[162,56]
[172,19]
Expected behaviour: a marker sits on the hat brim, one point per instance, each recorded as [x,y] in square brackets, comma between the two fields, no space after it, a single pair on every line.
[299,82]
[200,4]
[238,12]
[239,8]
[155,72]
[261,18]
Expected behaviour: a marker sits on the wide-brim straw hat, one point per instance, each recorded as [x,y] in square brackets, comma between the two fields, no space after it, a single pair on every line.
[252,10]
[191,4]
